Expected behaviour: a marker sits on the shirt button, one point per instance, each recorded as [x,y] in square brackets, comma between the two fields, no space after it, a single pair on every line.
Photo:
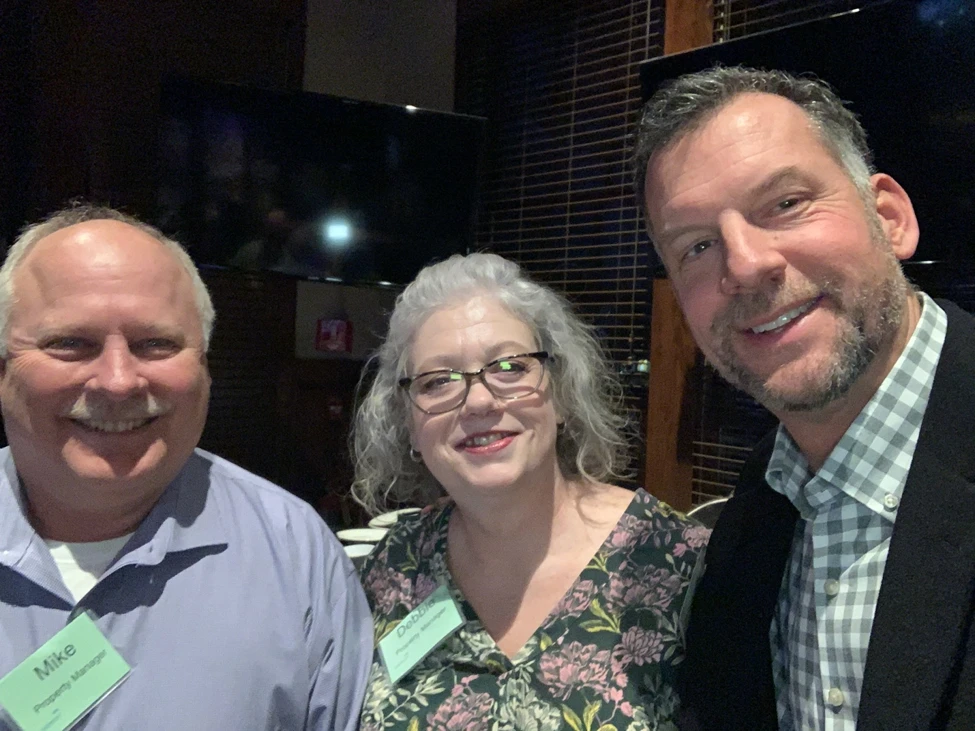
[834,697]
[832,587]
[890,502]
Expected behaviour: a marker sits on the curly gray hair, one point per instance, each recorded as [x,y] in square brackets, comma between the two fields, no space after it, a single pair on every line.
[684,104]
[81,213]
[585,389]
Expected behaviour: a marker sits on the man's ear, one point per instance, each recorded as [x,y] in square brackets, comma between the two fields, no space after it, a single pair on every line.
[896,214]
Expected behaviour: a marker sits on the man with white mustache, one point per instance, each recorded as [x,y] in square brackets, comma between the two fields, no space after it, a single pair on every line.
[128,416]
[228,599]
[838,589]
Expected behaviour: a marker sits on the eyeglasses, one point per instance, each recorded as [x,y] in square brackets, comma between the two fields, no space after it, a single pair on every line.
[509,378]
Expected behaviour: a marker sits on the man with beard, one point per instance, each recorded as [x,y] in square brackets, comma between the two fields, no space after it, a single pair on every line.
[837,592]
[227,598]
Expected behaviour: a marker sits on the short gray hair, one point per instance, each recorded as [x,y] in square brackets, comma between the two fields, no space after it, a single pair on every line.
[684,104]
[81,213]
[585,389]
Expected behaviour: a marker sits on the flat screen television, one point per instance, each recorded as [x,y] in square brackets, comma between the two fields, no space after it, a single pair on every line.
[312,185]
[908,70]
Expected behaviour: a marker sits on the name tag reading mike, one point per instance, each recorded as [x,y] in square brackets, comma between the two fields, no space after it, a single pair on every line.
[66,678]
[434,620]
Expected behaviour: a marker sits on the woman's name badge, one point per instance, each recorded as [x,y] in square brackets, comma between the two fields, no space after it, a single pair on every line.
[434,620]
[67,677]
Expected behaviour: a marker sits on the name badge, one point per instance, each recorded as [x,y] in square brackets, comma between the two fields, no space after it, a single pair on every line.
[433,621]
[62,681]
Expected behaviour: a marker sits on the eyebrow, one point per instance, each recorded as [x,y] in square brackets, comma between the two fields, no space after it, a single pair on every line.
[787,175]
[88,330]
[784,176]
[501,350]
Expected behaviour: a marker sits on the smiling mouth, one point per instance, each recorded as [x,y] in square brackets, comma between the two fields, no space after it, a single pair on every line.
[482,440]
[113,427]
[784,319]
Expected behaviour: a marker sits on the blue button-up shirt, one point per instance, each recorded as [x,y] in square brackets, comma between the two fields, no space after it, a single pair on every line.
[234,605]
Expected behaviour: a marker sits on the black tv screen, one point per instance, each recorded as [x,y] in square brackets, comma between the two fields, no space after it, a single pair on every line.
[908,70]
[313,185]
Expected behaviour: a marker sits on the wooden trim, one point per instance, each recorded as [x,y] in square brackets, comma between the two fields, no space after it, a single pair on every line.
[672,356]
[687,24]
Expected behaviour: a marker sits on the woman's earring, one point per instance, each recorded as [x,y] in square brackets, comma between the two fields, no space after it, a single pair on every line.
[415,455]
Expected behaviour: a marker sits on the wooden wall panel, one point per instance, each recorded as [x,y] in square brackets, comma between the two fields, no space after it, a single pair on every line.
[687,24]
[672,356]
[668,469]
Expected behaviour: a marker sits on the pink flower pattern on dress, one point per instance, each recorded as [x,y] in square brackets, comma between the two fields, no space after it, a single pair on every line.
[652,586]
[574,666]
[428,545]
[696,536]
[389,587]
[626,533]
[637,646]
[576,600]
[425,586]
[611,642]
[463,710]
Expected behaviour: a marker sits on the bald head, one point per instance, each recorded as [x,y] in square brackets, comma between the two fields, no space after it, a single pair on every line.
[123,229]
[121,259]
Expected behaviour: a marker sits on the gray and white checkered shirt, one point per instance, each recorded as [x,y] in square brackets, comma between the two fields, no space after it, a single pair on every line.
[828,598]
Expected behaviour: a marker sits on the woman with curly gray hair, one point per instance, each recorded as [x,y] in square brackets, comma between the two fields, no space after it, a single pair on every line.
[490,390]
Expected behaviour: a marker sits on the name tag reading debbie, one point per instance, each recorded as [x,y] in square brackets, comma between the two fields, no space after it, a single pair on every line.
[68,676]
[433,621]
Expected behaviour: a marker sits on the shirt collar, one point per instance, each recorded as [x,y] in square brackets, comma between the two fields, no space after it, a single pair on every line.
[16,532]
[872,458]
[186,516]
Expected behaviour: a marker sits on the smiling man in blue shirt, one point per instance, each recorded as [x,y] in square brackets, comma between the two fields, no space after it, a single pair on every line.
[229,599]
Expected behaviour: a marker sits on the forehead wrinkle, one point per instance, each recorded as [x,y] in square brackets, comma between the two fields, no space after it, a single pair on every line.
[699,159]
[97,247]
[474,330]
[103,257]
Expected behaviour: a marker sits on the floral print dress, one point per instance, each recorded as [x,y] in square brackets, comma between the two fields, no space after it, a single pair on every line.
[604,658]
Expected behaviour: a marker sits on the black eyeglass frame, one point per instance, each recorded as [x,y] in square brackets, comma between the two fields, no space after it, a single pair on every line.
[542,356]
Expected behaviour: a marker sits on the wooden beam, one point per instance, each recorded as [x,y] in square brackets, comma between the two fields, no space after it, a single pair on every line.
[672,356]
[687,24]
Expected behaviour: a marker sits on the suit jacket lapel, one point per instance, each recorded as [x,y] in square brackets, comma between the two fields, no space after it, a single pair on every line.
[925,606]
[728,668]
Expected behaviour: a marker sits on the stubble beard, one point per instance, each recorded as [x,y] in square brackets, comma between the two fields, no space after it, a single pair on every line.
[868,322]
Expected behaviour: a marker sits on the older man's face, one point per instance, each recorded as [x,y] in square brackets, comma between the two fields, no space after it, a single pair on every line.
[105,386]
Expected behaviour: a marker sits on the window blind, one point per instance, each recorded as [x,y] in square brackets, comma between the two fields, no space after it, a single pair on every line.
[559,84]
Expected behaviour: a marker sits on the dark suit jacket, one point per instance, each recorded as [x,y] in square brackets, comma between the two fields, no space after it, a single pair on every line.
[920,668]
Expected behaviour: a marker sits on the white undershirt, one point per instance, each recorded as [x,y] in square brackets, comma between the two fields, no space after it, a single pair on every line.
[81,564]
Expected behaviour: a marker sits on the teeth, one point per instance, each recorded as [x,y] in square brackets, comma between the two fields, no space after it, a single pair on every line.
[113,426]
[784,319]
[482,440]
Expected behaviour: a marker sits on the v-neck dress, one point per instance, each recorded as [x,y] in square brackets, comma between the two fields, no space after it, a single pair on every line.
[604,658]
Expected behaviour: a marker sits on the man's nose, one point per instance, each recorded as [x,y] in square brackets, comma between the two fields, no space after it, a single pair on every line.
[117,371]
[752,256]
